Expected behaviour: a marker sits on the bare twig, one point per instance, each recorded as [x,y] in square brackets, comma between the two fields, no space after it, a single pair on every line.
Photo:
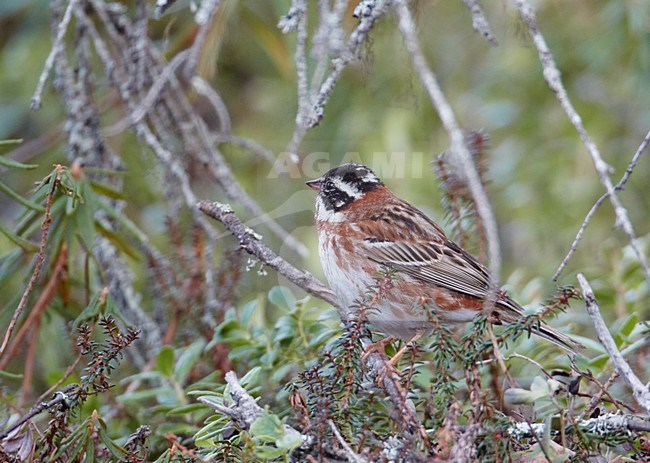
[592,211]
[44,298]
[162,80]
[351,454]
[244,409]
[57,47]
[552,77]
[639,390]
[203,18]
[608,424]
[311,107]
[250,241]
[190,454]
[458,146]
[480,22]
[245,143]
[39,260]
[205,89]
[604,389]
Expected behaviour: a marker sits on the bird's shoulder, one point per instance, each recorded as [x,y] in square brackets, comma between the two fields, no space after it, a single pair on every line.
[382,216]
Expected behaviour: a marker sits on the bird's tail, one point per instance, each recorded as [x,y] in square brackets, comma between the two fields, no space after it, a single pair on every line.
[511,312]
[566,342]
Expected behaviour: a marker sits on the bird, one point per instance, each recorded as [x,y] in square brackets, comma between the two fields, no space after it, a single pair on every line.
[365,231]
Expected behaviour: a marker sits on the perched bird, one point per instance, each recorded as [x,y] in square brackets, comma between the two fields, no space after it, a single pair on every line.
[364,230]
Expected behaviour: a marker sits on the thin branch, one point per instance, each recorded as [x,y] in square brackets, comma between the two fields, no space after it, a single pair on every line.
[347,54]
[480,22]
[203,18]
[552,77]
[205,89]
[39,260]
[162,80]
[246,143]
[639,390]
[351,454]
[57,47]
[59,397]
[458,146]
[608,424]
[33,319]
[251,242]
[592,211]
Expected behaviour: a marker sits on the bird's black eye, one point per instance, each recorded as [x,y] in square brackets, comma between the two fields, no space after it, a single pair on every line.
[328,186]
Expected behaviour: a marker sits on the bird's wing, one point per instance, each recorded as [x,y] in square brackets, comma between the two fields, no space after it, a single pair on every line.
[439,263]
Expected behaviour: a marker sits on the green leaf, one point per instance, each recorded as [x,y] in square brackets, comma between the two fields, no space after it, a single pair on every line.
[7,375]
[106,190]
[250,377]
[145,394]
[90,451]
[24,201]
[267,452]
[9,264]
[628,325]
[290,440]
[11,141]
[118,241]
[116,450]
[91,312]
[182,410]
[4,161]
[267,427]
[188,358]
[165,361]
[282,298]
[247,313]
[22,242]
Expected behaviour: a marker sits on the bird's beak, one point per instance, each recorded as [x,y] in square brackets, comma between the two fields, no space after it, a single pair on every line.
[315,184]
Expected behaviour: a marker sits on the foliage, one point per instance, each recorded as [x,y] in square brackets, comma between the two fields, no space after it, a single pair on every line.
[122,307]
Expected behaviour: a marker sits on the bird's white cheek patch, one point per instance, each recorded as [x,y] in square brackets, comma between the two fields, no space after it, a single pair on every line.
[323,215]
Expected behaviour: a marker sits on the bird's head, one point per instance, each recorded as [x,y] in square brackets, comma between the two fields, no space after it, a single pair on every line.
[343,185]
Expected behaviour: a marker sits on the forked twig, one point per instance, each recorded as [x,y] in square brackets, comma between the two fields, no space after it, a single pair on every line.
[592,211]
[553,78]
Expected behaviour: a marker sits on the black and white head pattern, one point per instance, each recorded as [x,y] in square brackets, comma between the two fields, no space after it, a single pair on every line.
[342,185]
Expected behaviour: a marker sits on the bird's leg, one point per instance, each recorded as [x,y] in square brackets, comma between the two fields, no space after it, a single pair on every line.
[393,361]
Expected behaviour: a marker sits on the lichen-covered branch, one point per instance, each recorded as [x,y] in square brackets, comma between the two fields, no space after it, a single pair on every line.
[640,391]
